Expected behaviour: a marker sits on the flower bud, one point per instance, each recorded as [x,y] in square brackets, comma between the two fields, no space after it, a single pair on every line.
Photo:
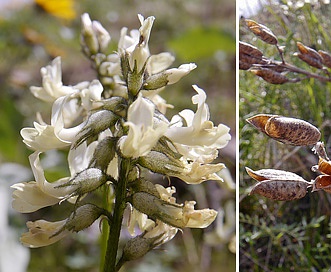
[286,130]
[94,37]
[96,123]
[88,38]
[86,181]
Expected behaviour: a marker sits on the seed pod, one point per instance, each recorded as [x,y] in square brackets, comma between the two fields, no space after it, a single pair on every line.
[309,55]
[324,166]
[248,49]
[310,60]
[270,76]
[326,58]
[281,189]
[273,174]
[261,31]
[287,130]
[322,182]
[244,65]
[259,121]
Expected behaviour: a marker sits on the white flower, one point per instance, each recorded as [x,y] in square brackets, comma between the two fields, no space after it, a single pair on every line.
[45,137]
[185,216]
[175,74]
[160,62]
[195,172]
[95,37]
[141,219]
[32,196]
[52,83]
[142,135]
[200,133]
[41,231]
[137,45]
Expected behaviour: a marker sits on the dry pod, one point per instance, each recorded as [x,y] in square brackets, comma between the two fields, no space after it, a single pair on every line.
[248,55]
[273,174]
[281,189]
[326,58]
[309,55]
[287,130]
[261,31]
[248,49]
[322,182]
[270,75]
[324,166]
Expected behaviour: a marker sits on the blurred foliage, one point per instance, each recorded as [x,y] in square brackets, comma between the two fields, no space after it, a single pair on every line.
[294,235]
[194,31]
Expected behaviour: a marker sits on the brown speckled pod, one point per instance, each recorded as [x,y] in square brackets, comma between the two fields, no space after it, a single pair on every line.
[322,182]
[271,76]
[310,56]
[281,189]
[287,130]
[273,174]
[261,31]
[326,58]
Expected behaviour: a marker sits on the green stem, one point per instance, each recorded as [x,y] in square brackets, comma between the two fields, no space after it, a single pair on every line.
[115,227]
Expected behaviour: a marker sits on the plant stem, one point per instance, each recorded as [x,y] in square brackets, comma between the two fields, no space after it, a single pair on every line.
[115,226]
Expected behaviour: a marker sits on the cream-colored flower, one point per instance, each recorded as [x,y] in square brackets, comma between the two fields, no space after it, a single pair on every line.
[197,218]
[195,172]
[53,87]
[184,216]
[200,131]
[65,111]
[175,74]
[41,233]
[139,218]
[95,38]
[142,135]
[163,231]
[32,196]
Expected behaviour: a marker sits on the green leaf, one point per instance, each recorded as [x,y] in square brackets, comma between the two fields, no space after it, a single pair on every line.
[202,42]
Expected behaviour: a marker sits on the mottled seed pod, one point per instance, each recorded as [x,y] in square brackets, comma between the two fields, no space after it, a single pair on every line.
[244,65]
[324,166]
[322,182]
[326,58]
[310,56]
[248,49]
[270,76]
[273,174]
[317,63]
[287,130]
[281,189]
[261,31]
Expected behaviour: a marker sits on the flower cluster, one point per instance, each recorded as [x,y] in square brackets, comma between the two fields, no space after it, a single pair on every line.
[115,130]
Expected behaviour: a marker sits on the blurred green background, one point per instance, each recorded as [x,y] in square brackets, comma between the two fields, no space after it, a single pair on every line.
[278,235]
[32,35]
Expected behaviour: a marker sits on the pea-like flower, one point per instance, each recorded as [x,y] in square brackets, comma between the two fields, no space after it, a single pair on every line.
[34,195]
[142,135]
